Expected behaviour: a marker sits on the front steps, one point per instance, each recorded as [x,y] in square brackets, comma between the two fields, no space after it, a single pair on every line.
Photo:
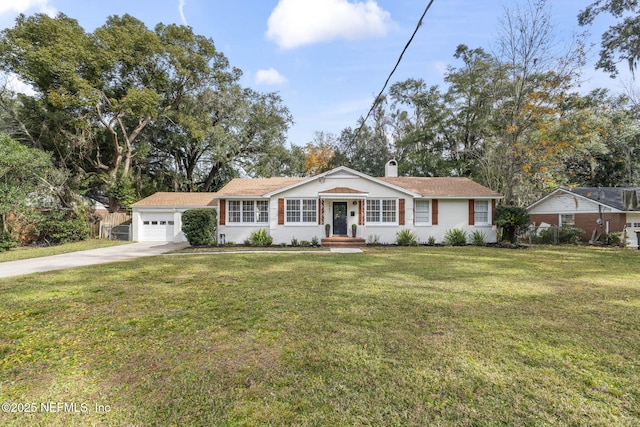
[343,242]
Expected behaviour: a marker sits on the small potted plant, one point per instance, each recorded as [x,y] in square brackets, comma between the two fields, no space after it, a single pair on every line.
[327,228]
[354,228]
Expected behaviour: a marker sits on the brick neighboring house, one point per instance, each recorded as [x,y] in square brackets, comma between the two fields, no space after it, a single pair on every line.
[595,210]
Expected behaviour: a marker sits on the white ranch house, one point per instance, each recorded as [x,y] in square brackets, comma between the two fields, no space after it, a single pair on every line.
[299,208]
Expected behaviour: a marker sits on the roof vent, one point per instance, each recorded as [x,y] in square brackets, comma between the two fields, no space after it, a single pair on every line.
[391,169]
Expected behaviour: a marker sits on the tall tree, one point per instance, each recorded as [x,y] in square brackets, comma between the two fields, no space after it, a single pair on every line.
[320,154]
[469,102]
[537,77]
[24,177]
[621,42]
[416,116]
[216,131]
[97,92]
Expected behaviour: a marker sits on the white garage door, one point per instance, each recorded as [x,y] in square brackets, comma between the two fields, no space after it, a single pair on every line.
[156,228]
[633,224]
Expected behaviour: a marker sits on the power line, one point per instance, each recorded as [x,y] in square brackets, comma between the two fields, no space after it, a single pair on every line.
[375,101]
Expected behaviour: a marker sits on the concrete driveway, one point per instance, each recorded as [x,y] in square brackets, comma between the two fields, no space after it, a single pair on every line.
[89,257]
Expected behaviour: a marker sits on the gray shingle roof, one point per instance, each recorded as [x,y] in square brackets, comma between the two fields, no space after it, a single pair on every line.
[621,198]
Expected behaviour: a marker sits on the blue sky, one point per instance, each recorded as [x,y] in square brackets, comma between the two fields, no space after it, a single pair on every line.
[327,58]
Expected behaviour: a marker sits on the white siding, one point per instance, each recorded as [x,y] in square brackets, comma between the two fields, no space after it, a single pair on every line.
[633,219]
[143,213]
[453,213]
[565,203]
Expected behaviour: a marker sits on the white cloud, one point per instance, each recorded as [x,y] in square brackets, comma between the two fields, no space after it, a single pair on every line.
[270,77]
[13,83]
[295,23]
[441,68]
[20,6]
[181,10]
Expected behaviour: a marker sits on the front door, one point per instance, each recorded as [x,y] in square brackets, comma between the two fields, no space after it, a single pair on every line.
[340,218]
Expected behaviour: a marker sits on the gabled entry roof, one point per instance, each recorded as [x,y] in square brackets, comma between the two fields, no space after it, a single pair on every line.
[343,193]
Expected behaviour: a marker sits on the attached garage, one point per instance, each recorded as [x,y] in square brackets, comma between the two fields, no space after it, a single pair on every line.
[157,227]
[158,218]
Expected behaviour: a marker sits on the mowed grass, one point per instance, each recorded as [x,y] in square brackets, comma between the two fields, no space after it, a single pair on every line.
[421,336]
[27,252]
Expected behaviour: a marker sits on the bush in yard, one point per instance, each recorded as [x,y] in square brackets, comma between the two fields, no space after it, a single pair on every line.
[455,237]
[613,239]
[513,220]
[260,238]
[199,226]
[478,238]
[406,237]
[569,234]
[6,241]
[62,226]
[561,235]
[547,236]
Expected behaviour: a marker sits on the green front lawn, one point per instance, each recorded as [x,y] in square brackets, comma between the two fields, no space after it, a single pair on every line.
[394,336]
[26,252]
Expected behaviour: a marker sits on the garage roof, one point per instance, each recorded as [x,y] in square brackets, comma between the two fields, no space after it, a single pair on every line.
[178,199]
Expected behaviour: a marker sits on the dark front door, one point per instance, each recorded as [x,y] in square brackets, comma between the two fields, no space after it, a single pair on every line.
[340,218]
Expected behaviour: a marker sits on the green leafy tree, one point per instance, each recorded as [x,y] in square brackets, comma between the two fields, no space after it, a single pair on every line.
[97,92]
[620,41]
[512,220]
[417,113]
[366,151]
[23,178]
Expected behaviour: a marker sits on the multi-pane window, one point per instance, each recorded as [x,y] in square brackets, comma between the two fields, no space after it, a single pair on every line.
[309,210]
[235,211]
[293,210]
[567,220]
[481,212]
[301,210]
[248,211]
[381,211]
[422,211]
[373,210]
[388,211]
[262,208]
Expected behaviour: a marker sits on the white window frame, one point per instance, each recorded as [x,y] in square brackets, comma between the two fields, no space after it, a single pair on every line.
[476,211]
[245,208]
[380,211]
[416,211]
[302,214]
